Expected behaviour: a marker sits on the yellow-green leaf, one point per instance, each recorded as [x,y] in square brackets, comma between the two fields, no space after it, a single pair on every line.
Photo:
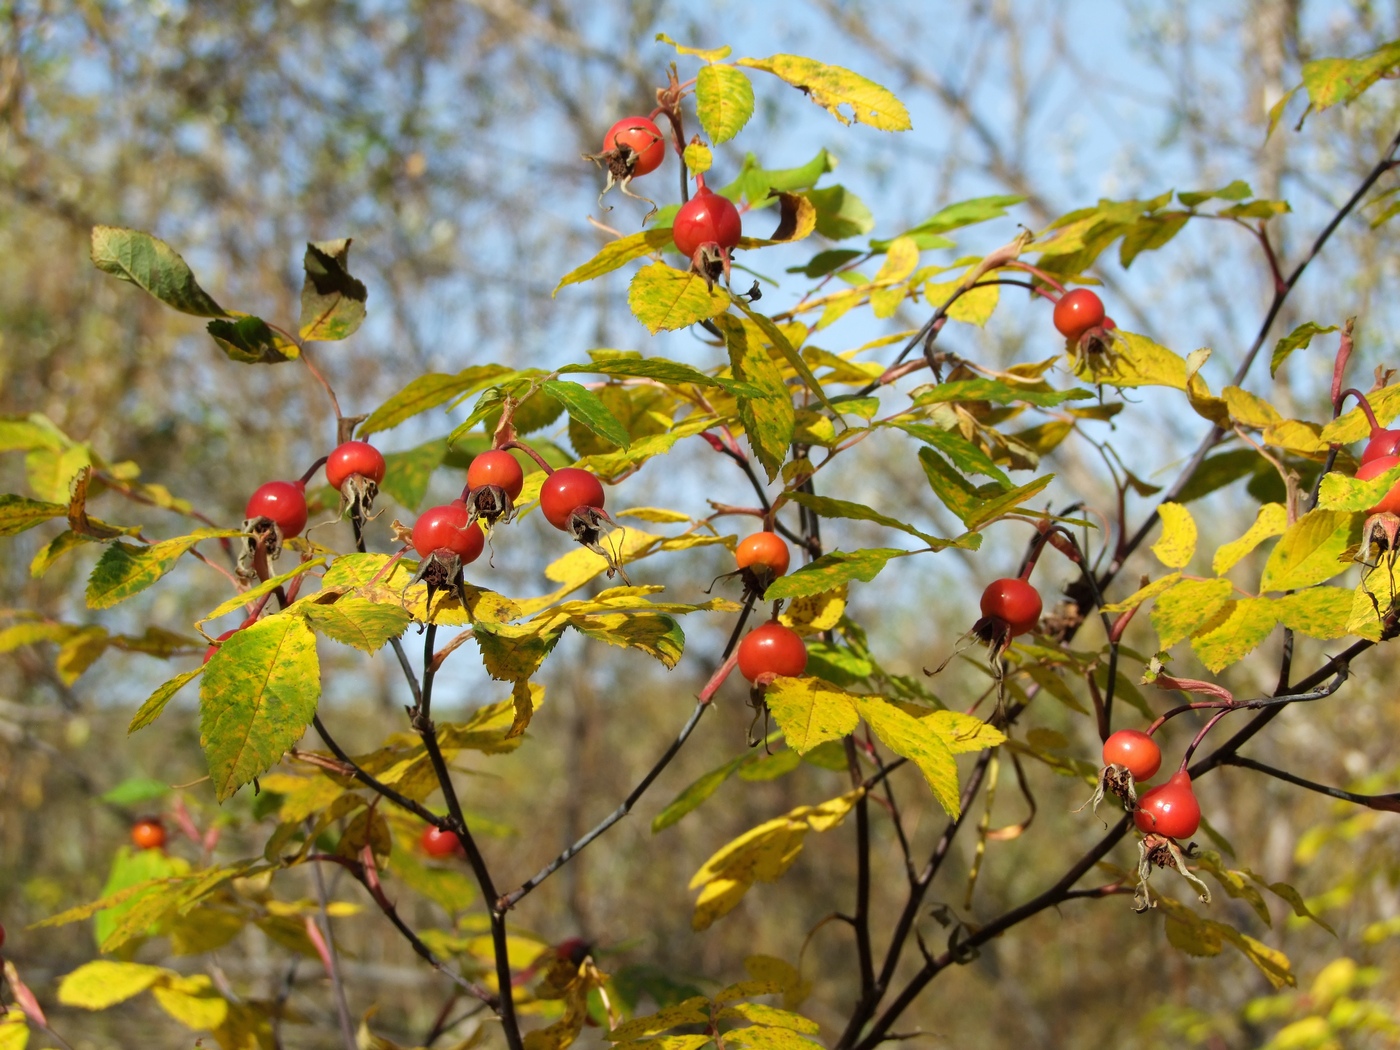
[155,703]
[1339,492]
[1270,521]
[810,711]
[1318,612]
[963,733]
[761,854]
[831,571]
[18,513]
[126,569]
[665,299]
[332,301]
[366,625]
[704,54]
[723,101]
[1178,543]
[1137,361]
[695,1010]
[832,87]
[1186,606]
[698,159]
[14,1030]
[1235,632]
[1313,550]
[616,254]
[257,696]
[269,585]
[919,742]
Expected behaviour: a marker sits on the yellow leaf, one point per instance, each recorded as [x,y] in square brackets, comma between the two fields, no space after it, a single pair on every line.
[975,306]
[1178,543]
[832,87]
[1370,599]
[695,1010]
[919,742]
[699,160]
[810,711]
[963,733]
[900,259]
[711,54]
[14,1030]
[1271,521]
[1248,410]
[1137,361]
[1295,436]
[1144,594]
[771,1016]
[759,1037]
[761,854]
[193,1002]
[814,613]
[98,985]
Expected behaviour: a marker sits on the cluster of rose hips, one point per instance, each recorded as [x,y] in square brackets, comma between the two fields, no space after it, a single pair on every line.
[1170,809]
[706,228]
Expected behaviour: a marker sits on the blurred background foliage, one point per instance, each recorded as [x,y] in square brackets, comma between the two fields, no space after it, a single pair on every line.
[445,138]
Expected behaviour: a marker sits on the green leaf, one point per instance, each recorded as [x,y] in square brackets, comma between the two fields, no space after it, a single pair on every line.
[966,456]
[964,213]
[810,711]
[672,373]
[965,390]
[665,299]
[135,791]
[831,571]
[833,88]
[126,569]
[407,474]
[723,101]
[755,184]
[588,409]
[618,253]
[839,508]
[1313,550]
[257,697]
[151,264]
[1185,606]
[696,793]
[949,486]
[18,513]
[1008,501]
[332,302]
[155,703]
[1298,339]
[366,625]
[252,342]
[840,213]
[428,391]
[911,738]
